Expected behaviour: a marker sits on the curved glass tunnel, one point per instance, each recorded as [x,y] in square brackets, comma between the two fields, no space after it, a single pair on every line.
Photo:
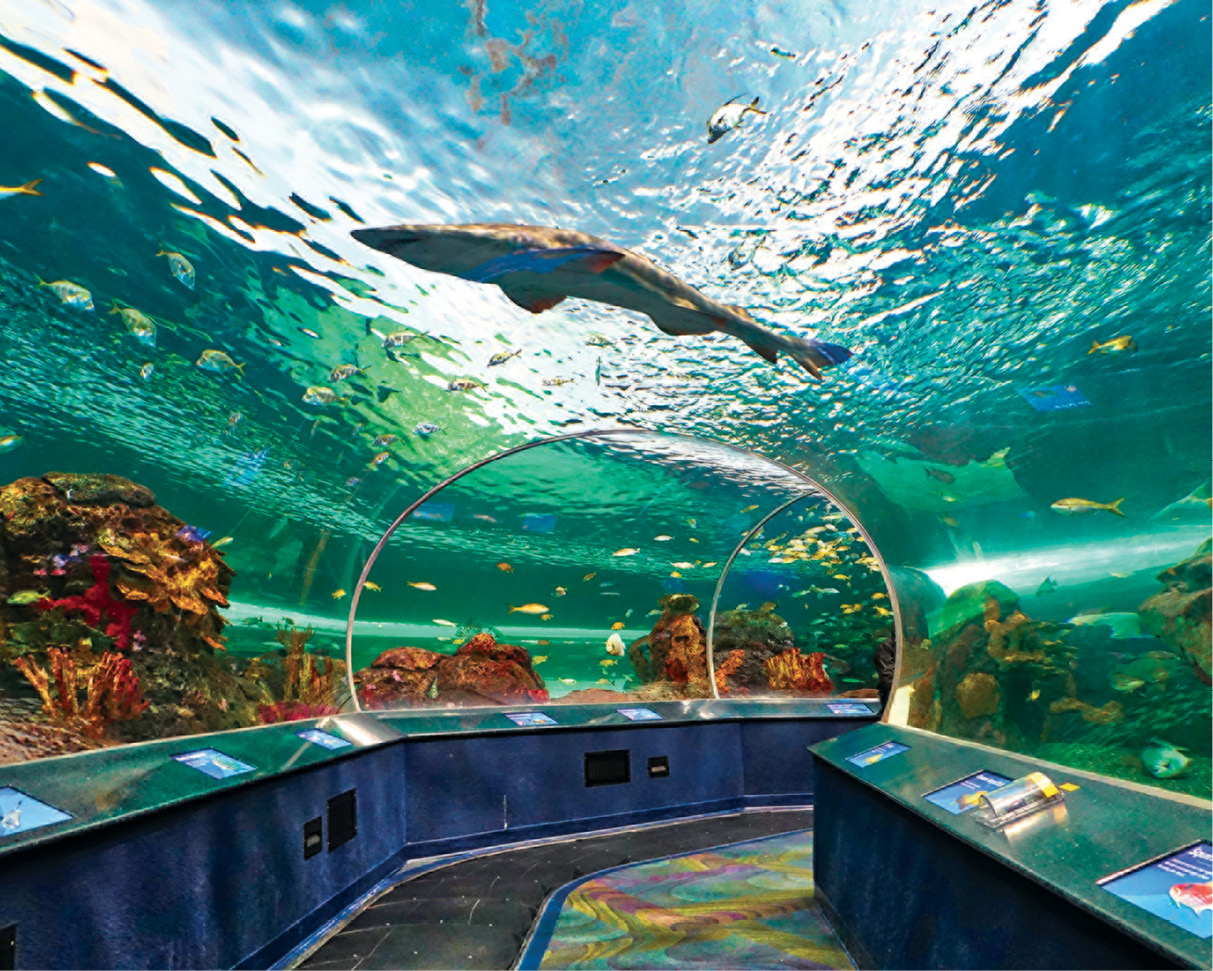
[585,569]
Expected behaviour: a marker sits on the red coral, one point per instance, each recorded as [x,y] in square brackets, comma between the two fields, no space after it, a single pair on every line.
[97,603]
[802,672]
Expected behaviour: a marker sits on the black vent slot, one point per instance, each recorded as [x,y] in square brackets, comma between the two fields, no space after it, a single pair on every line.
[8,947]
[313,838]
[607,768]
[659,767]
[343,819]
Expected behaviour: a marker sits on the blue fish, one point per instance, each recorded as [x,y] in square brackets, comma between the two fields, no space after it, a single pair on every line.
[192,534]
[247,468]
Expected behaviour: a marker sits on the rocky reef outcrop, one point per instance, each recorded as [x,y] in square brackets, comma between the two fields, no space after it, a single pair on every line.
[673,657]
[1181,615]
[480,672]
[754,651]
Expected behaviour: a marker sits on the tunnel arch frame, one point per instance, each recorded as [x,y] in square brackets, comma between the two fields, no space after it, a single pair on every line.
[815,488]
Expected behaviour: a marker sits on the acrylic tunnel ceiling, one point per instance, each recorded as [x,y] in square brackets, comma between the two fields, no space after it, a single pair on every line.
[1001,210]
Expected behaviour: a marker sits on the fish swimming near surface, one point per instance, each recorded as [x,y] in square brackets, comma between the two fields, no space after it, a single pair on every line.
[557,382]
[70,294]
[529,609]
[1164,760]
[422,585]
[320,395]
[29,189]
[180,267]
[218,361]
[1115,345]
[138,324]
[537,267]
[1075,507]
[463,384]
[425,429]
[502,357]
[1197,897]
[343,371]
[10,442]
[383,441]
[1047,585]
[729,116]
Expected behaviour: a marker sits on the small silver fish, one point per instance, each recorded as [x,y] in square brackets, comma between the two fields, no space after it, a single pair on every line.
[180,267]
[319,395]
[343,371]
[425,429]
[138,324]
[383,441]
[145,372]
[502,357]
[729,116]
[463,384]
[398,339]
[218,361]
[70,294]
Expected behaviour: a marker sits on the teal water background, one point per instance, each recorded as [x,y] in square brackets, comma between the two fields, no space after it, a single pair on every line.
[967,196]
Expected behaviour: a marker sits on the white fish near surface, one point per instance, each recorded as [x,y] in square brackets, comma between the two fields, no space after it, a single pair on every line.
[615,645]
[729,116]
[537,267]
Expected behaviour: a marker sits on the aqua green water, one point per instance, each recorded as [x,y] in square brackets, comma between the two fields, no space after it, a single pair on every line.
[966,197]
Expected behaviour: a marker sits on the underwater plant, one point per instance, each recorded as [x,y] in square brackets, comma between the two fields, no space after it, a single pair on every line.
[112,691]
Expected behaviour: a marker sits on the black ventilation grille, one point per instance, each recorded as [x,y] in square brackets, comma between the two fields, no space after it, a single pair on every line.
[313,839]
[343,819]
[607,768]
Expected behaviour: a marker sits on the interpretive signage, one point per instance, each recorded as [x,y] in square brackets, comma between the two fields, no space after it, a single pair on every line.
[639,714]
[878,754]
[20,812]
[317,737]
[1178,888]
[963,795]
[530,719]
[848,708]
[214,763]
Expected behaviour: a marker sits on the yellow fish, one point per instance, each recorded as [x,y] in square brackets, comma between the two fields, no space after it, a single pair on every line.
[1125,343]
[505,567]
[840,576]
[626,551]
[589,576]
[539,659]
[373,586]
[602,681]
[546,617]
[543,643]
[618,625]
[691,522]
[338,593]
[750,508]
[560,591]
[663,538]
[883,611]
[529,609]
[1073,507]
[879,596]
[692,539]
[607,662]
[428,587]
[709,565]
[567,680]
[29,189]
[457,641]
[675,573]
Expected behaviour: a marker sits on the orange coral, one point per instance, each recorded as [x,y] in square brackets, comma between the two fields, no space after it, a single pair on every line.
[1103,715]
[1004,632]
[728,666]
[803,672]
[307,681]
[112,690]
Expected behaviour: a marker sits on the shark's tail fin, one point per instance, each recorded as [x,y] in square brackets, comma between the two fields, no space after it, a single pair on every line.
[814,355]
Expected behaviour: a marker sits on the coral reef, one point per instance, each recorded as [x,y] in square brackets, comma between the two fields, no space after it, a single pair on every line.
[310,681]
[97,604]
[978,694]
[480,672]
[1181,615]
[112,692]
[799,672]
[675,651]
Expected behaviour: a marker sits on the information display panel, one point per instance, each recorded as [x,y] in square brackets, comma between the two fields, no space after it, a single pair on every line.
[317,737]
[214,763]
[20,812]
[878,754]
[848,708]
[639,714]
[1178,888]
[530,719]
[962,795]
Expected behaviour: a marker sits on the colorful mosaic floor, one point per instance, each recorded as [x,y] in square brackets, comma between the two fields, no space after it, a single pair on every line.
[749,905]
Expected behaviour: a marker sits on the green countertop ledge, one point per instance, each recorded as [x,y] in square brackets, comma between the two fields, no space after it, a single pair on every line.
[1109,826]
[125,781]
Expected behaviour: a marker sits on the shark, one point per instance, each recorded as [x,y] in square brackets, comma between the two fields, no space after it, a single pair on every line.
[537,267]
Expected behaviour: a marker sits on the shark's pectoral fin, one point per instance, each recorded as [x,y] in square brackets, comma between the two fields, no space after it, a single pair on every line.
[533,300]
[680,325]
